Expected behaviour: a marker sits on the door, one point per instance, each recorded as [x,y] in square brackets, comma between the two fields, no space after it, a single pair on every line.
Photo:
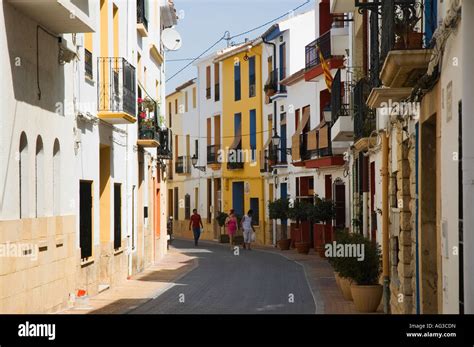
[85,219]
[238,198]
[340,202]
[117,216]
[284,195]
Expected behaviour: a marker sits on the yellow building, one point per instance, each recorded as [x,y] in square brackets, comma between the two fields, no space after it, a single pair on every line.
[242,132]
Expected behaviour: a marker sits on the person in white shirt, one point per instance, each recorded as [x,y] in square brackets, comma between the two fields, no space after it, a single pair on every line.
[248,228]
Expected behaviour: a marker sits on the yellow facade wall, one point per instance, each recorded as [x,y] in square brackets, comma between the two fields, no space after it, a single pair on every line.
[250,174]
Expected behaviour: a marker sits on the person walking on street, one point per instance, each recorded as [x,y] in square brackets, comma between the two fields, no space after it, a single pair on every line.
[248,228]
[196,223]
[231,224]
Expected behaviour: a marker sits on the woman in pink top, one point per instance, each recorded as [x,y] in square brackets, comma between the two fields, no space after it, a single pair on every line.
[231,224]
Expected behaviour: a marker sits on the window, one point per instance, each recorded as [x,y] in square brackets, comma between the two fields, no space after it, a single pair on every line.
[176,203]
[39,178]
[237,86]
[170,112]
[208,82]
[253,133]
[85,219]
[186,101]
[56,178]
[282,65]
[88,59]
[23,175]
[187,206]
[196,148]
[176,106]
[117,216]
[252,87]
[194,97]
[254,206]
[216,83]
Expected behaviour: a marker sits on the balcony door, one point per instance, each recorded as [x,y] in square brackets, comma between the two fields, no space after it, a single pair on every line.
[238,198]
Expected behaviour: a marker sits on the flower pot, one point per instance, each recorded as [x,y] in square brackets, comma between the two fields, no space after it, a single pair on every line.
[367,298]
[346,288]
[321,251]
[302,247]
[284,245]
[338,279]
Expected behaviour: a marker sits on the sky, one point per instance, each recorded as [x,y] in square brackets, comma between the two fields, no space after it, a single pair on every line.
[204,22]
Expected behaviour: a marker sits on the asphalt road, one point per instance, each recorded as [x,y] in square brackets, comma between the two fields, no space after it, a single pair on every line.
[223,283]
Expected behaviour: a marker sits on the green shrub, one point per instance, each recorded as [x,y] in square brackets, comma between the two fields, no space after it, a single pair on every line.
[221,218]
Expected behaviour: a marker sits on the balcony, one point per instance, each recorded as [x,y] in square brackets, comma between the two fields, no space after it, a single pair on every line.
[55,15]
[316,149]
[148,126]
[117,91]
[403,54]
[235,159]
[342,129]
[165,148]
[142,21]
[272,85]
[333,45]
[364,117]
[182,165]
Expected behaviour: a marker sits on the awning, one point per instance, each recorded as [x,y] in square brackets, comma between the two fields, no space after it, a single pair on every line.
[295,139]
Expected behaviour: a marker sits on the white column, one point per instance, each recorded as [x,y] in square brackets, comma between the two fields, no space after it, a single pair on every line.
[468,152]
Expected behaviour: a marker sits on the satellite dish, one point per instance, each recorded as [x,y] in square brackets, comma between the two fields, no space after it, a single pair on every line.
[171,39]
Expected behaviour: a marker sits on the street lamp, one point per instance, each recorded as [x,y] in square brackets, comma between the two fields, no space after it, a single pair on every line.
[276,140]
[327,114]
[194,160]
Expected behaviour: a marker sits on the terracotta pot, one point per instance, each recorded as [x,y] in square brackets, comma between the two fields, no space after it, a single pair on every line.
[338,279]
[302,247]
[284,245]
[346,288]
[367,298]
[321,251]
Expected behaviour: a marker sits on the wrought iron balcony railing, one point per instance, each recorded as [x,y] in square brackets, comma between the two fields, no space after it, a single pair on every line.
[364,118]
[312,55]
[141,14]
[271,86]
[165,149]
[235,160]
[117,86]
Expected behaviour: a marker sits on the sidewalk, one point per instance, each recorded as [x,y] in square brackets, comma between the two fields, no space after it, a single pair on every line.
[141,288]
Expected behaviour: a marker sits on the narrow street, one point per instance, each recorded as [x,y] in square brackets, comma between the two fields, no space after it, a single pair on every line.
[252,282]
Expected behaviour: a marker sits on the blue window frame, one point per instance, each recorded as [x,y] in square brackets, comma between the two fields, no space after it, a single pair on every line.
[253,132]
[252,87]
[237,84]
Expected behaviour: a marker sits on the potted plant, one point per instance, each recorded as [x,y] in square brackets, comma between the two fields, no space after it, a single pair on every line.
[365,274]
[147,128]
[342,237]
[322,212]
[300,212]
[278,209]
[221,218]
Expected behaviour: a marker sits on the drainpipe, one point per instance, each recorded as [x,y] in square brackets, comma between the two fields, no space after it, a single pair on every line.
[468,155]
[417,254]
[385,235]
[274,127]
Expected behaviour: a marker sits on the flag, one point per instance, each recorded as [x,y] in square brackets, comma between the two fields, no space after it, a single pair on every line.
[326,69]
